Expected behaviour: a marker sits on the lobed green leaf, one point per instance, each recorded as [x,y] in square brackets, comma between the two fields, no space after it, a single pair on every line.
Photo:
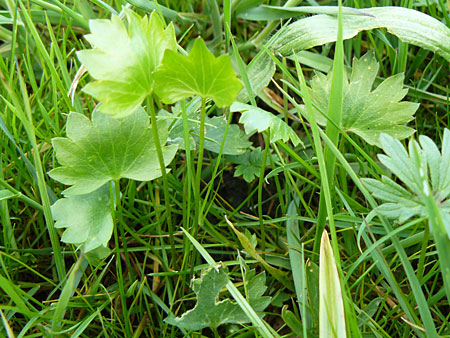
[123,60]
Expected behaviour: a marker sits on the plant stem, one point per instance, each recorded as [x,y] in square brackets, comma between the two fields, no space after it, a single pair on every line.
[151,107]
[198,175]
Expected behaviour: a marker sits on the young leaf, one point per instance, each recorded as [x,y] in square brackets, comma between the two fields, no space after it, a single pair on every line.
[248,164]
[367,113]
[106,149]
[123,60]
[200,73]
[87,219]
[254,118]
[331,306]
[208,312]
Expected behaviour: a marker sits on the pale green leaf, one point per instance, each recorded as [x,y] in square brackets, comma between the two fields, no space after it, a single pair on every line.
[331,306]
[408,25]
[106,149]
[199,73]
[209,312]
[254,118]
[403,203]
[123,60]
[87,219]
[367,112]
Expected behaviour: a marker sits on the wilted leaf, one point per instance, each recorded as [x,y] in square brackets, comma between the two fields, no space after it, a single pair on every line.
[106,149]
[365,112]
[254,118]
[87,219]
[199,73]
[123,59]
[209,312]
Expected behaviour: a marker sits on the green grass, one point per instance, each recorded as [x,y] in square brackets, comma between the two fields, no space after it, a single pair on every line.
[166,231]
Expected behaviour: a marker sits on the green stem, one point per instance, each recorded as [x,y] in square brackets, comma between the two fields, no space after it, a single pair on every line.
[159,152]
[198,175]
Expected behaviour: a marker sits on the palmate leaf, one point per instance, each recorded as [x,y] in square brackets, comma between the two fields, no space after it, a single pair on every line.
[401,203]
[123,60]
[200,73]
[249,164]
[254,118]
[87,219]
[367,113]
[106,149]
[209,312]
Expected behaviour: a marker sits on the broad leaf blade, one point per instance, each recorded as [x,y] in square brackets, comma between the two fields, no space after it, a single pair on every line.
[331,306]
[123,59]
[408,25]
[87,219]
[367,113]
[106,149]
[200,73]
